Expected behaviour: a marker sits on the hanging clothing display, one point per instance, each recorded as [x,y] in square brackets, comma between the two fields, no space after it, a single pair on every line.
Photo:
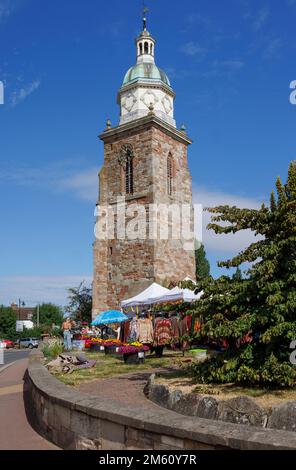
[185,329]
[163,332]
[125,332]
[185,325]
[133,330]
[145,331]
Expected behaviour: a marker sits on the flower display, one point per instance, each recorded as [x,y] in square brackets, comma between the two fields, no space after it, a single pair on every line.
[132,349]
[124,348]
[97,340]
[110,344]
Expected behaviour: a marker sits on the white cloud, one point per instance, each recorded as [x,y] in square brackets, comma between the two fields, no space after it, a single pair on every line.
[64,176]
[5,9]
[272,49]
[84,184]
[231,243]
[193,49]
[36,289]
[261,18]
[224,68]
[20,95]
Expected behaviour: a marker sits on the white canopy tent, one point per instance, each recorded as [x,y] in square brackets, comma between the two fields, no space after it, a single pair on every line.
[146,297]
[184,295]
[156,294]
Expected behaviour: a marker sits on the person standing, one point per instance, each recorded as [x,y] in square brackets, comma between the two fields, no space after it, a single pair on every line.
[67,334]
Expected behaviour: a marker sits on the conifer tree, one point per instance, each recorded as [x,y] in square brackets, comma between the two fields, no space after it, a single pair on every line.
[202,264]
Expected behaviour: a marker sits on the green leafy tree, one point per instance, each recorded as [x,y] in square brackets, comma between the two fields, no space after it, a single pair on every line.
[80,302]
[238,275]
[48,314]
[202,264]
[255,315]
[7,323]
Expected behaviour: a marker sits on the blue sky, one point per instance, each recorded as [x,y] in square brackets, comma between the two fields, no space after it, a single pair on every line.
[62,63]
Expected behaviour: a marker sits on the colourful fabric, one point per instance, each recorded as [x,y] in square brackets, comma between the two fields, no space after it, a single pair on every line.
[175,331]
[185,325]
[185,329]
[145,331]
[126,331]
[163,332]
[197,326]
[133,331]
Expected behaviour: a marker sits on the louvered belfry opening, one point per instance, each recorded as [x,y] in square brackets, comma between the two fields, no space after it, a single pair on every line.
[170,174]
[129,176]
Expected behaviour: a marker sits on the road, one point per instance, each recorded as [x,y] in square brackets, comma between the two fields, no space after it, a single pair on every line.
[12,355]
[16,431]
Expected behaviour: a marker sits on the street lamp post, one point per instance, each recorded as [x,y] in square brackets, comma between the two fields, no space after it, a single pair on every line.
[21,304]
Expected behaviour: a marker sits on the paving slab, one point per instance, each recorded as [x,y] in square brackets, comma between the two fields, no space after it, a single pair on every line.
[16,433]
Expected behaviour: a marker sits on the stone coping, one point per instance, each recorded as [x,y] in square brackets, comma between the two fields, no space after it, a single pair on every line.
[241,409]
[162,425]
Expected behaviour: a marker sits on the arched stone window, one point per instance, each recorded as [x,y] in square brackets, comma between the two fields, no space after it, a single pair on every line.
[125,159]
[141,48]
[146,48]
[170,165]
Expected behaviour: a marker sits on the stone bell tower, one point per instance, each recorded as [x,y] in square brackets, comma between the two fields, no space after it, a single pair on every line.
[145,163]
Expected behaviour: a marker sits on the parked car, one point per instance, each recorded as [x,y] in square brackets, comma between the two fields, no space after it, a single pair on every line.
[6,343]
[28,343]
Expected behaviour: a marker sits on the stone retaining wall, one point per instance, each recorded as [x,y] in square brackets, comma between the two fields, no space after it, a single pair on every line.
[76,421]
[238,410]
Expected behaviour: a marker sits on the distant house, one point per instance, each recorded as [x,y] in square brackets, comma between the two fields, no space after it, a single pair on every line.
[23,313]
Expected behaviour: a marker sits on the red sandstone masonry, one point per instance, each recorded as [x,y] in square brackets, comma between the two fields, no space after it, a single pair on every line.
[134,265]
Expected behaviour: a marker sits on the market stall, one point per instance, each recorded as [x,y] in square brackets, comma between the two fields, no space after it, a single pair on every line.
[156,329]
[146,297]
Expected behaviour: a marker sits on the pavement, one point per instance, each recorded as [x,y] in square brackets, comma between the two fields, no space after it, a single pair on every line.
[16,432]
[128,389]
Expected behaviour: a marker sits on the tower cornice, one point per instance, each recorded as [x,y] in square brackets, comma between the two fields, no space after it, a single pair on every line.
[151,120]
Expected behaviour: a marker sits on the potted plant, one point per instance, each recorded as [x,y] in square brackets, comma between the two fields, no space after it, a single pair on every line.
[133,354]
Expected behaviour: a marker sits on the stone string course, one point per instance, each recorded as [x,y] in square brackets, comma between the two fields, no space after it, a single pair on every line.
[73,420]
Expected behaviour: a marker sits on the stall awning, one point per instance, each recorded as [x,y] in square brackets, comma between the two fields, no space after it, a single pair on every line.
[146,297]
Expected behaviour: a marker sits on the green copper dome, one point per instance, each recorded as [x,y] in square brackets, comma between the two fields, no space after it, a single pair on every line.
[145,71]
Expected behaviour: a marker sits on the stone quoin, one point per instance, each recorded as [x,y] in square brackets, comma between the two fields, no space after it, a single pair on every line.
[145,161]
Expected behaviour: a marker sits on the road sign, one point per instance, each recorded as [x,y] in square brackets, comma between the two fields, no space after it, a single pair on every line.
[19,326]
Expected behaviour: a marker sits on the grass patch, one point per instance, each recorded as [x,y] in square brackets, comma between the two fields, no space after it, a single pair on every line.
[111,366]
[184,381]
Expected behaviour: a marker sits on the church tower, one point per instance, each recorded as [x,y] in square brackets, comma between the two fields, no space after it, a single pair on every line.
[145,163]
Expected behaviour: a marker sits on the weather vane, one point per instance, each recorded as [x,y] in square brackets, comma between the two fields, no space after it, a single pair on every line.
[145,11]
